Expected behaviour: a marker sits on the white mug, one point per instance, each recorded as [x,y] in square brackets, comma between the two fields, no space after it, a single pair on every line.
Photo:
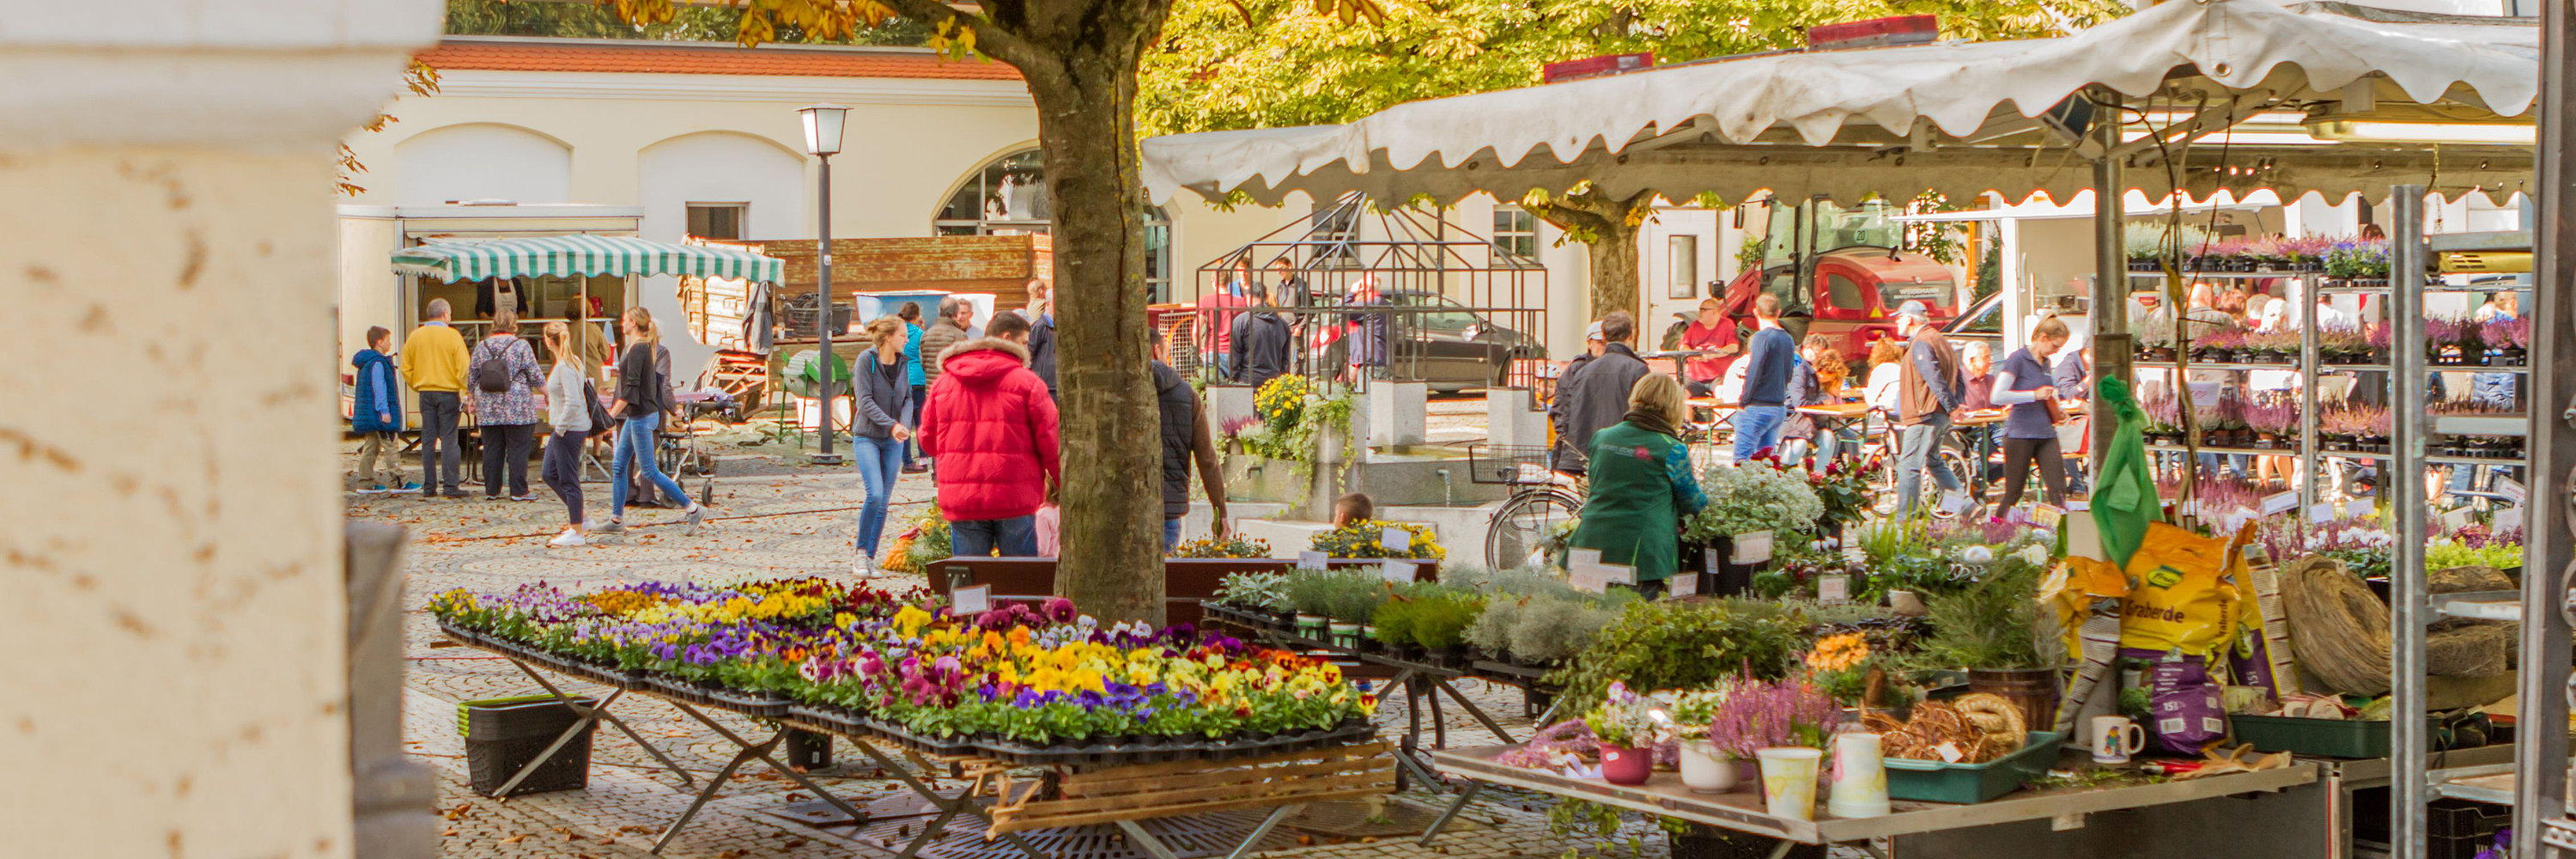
[2115,738]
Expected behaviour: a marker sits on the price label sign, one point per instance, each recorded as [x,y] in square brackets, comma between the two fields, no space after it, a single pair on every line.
[2456,519]
[2321,512]
[1585,568]
[1686,584]
[1310,560]
[2510,489]
[1833,589]
[2280,502]
[976,599]
[1395,539]
[2047,515]
[2508,519]
[1752,547]
[2360,507]
[1395,571]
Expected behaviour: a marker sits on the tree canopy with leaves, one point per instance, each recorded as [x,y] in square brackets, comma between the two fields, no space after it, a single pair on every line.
[1233,64]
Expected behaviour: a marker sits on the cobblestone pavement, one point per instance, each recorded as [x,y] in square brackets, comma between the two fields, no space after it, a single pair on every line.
[771,517]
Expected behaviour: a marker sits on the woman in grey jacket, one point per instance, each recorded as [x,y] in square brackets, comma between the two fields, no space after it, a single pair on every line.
[881,387]
[568,402]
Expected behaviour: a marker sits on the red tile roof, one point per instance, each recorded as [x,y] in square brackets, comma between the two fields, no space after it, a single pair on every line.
[707,60]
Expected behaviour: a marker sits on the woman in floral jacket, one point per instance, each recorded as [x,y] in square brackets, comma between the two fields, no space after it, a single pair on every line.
[506,415]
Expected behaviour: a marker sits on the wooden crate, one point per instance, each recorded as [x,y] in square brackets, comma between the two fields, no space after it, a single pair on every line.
[1149,791]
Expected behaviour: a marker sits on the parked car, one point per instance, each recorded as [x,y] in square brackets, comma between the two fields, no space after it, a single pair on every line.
[1444,344]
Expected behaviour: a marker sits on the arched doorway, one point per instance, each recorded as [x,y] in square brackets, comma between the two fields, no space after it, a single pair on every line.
[1008,196]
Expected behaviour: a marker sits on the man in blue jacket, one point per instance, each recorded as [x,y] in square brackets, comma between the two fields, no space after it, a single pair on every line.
[376,415]
[1766,381]
[911,316]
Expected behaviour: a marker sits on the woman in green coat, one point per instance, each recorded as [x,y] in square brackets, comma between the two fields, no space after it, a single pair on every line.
[1642,485]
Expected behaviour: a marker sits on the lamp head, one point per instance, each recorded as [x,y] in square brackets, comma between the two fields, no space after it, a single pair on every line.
[823,127]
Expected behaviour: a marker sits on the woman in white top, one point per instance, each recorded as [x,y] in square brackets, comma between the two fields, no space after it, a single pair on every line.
[568,401]
[1886,369]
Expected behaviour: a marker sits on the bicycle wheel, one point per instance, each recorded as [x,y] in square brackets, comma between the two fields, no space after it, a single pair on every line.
[1522,525]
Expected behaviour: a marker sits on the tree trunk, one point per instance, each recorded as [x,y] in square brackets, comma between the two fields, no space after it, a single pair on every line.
[1111,563]
[1613,254]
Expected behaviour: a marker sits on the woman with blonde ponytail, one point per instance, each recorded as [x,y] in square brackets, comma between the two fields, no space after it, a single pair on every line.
[568,404]
[642,397]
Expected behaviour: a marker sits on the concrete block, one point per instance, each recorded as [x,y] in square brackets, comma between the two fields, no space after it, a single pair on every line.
[1512,419]
[1397,413]
[1228,402]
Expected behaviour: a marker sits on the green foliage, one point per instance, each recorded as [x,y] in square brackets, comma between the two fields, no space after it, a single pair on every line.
[1753,497]
[1994,624]
[1392,624]
[686,24]
[1262,590]
[1670,645]
[2445,554]
[1360,540]
[932,543]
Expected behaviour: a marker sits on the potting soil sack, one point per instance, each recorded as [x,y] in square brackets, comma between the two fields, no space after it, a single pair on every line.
[2187,714]
[2182,595]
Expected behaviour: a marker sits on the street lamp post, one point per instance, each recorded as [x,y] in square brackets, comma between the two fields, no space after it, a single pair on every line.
[823,140]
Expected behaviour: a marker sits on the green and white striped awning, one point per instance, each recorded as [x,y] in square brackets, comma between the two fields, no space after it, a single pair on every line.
[481,259]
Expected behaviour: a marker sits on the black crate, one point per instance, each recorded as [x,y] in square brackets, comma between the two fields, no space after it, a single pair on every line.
[1704,842]
[502,738]
[2458,829]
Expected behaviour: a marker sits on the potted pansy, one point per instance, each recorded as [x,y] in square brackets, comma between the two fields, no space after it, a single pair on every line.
[1628,726]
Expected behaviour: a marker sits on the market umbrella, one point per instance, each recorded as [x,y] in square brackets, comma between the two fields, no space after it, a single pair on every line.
[2124,500]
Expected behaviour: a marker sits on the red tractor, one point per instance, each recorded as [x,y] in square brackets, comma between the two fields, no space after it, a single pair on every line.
[1837,271]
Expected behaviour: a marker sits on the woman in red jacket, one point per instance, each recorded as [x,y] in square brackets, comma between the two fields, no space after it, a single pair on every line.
[991,429]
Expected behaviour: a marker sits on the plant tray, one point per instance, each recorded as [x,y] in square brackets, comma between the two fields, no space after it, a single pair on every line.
[758,705]
[2324,738]
[829,718]
[1935,781]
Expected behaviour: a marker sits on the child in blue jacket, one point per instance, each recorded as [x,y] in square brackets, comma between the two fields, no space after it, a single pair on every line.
[376,414]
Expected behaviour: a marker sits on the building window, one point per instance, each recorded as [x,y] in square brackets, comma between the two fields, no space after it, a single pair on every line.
[716,220]
[1515,237]
[1008,197]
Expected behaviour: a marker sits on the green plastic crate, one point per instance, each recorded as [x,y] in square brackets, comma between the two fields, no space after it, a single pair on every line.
[1935,781]
[2324,738]
[465,709]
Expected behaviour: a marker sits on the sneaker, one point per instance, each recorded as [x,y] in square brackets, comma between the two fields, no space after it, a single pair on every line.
[697,516]
[864,567]
[611,526]
[457,494]
[568,538]
[407,486]
[373,489]
[528,497]
[915,468]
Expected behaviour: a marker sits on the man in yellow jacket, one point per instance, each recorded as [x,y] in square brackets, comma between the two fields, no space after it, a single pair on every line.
[433,363]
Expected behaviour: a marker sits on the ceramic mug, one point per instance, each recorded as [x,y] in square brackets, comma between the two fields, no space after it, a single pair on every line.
[2115,738]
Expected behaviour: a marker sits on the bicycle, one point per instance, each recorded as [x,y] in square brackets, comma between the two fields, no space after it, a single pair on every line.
[1544,501]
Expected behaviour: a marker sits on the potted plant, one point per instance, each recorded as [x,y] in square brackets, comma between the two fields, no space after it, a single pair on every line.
[1258,593]
[1440,624]
[2164,418]
[1705,767]
[1993,629]
[1362,540]
[1628,726]
[1784,724]
[2156,345]
[1310,595]
[2275,422]
[2502,346]
[2306,253]
[1392,626]
[1747,498]
[2215,344]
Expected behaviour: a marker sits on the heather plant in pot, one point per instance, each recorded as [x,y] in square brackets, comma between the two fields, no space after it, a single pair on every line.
[2442,343]
[2216,343]
[2340,344]
[2504,339]
[2164,418]
[2156,344]
[2275,422]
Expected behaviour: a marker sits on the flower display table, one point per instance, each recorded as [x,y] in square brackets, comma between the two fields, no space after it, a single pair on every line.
[1742,810]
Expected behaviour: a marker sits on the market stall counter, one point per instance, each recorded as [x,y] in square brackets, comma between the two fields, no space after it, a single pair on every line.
[1742,810]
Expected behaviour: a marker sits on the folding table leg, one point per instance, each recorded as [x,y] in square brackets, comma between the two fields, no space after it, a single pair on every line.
[1476,711]
[1153,846]
[1442,822]
[713,785]
[597,711]
[949,807]
[1263,831]
[764,752]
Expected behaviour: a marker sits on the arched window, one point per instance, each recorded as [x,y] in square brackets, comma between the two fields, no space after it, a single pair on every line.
[1008,196]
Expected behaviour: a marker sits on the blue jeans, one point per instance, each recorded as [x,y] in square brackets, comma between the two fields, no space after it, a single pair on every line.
[1017,537]
[912,417]
[880,463]
[1918,450]
[1757,427]
[635,444]
[1171,534]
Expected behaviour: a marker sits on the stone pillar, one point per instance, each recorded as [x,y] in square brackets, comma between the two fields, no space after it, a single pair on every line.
[1397,413]
[170,443]
[1511,420]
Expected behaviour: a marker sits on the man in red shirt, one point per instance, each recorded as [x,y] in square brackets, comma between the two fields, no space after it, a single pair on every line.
[1711,332]
[1216,311]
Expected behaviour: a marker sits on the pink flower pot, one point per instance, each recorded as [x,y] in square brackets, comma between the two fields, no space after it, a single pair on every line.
[1624,765]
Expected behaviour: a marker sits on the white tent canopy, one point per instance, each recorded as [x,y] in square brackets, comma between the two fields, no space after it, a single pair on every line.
[1955,118]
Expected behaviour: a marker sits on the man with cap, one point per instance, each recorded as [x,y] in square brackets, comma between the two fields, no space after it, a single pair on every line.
[1593,392]
[1929,388]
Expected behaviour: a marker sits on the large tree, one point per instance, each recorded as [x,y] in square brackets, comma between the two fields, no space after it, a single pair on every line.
[1229,64]
[1079,58]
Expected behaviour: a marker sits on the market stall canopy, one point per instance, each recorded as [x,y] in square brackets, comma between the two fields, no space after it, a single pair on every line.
[480,259]
[1954,118]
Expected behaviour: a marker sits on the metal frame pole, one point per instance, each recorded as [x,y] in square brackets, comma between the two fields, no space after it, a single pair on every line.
[2404,480]
[2110,310]
[2541,771]
[823,290]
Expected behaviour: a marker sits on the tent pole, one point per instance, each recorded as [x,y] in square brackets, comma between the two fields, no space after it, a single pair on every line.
[2541,761]
[2109,307]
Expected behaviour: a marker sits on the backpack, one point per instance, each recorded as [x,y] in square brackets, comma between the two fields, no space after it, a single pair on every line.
[494,376]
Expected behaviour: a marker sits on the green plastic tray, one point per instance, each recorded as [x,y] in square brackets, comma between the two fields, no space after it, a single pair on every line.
[1935,781]
[465,709]
[2324,738]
